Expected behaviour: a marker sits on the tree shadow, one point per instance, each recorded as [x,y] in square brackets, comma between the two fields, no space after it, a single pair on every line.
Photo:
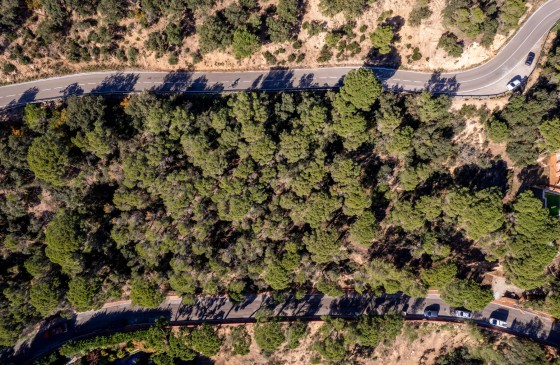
[532,175]
[28,95]
[306,81]
[119,82]
[534,328]
[474,177]
[72,90]
[280,78]
[438,84]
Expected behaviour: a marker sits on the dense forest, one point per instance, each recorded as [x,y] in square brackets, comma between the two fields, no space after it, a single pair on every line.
[61,34]
[234,193]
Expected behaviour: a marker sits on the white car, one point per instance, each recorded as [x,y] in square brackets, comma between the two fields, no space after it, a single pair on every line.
[498,323]
[514,84]
[460,313]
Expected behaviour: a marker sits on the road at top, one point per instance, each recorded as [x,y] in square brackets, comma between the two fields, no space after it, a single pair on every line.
[123,316]
[487,79]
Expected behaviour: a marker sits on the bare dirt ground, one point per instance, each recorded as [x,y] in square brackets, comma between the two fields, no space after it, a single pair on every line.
[425,37]
[419,343]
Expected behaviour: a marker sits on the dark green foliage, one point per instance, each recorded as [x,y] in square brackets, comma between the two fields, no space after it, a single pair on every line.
[48,159]
[205,340]
[466,294]
[145,294]
[44,297]
[439,275]
[549,130]
[81,293]
[64,241]
[269,336]
[381,38]
[479,214]
[370,331]
[361,88]
[451,44]
[350,8]
[296,331]
[245,43]
[458,356]
[240,340]
[533,246]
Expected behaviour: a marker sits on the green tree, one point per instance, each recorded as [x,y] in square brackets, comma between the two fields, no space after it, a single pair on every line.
[439,275]
[48,159]
[145,294]
[549,131]
[205,340]
[361,88]
[451,44]
[382,38]
[479,214]
[269,336]
[324,246]
[64,240]
[363,230]
[245,43]
[497,131]
[44,297]
[240,340]
[467,294]
[533,246]
[81,293]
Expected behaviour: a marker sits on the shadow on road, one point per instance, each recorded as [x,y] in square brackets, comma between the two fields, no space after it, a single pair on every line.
[28,96]
[72,90]
[437,84]
[117,83]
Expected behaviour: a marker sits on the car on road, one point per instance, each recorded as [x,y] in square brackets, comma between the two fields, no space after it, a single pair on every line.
[498,323]
[513,84]
[462,313]
[430,313]
[56,330]
[530,58]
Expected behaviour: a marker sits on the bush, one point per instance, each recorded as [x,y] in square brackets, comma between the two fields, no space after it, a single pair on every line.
[269,336]
[450,44]
[173,59]
[382,38]
[240,340]
[205,340]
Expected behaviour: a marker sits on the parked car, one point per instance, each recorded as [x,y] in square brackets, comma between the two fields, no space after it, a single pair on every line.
[530,58]
[461,313]
[513,84]
[430,313]
[498,323]
[56,330]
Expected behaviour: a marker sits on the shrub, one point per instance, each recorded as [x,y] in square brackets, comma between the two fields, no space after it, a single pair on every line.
[451,44]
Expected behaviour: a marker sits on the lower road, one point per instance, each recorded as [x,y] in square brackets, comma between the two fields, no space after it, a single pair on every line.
[487,79]
[122,316]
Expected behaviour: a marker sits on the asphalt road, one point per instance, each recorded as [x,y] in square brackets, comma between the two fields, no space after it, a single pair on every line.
[485,80]
[123,316]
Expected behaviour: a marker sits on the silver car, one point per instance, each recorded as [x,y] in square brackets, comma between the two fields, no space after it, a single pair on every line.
[498,323]
[461,313]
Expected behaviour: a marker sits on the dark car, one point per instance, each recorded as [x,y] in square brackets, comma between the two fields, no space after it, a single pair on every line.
[530,58]
[56,330]
[430,313]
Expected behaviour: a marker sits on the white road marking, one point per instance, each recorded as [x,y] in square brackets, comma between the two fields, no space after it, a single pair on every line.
[92,83]
[46,89]
[58,87]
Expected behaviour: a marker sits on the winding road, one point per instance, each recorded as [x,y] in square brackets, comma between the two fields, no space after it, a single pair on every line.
[488,79]
[123,316]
